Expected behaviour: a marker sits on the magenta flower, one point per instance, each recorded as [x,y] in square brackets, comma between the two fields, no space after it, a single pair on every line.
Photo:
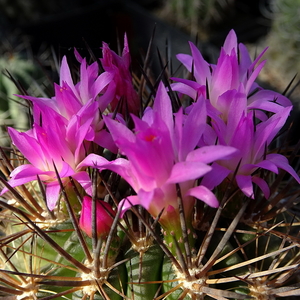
[80,98]
[54,143]
[234,71]
[104,217]
[119,68]
[67,124]
[239,112]
[251,140]
[70,97]
[160,154]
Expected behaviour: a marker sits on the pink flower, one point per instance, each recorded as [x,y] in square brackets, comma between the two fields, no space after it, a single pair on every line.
[242,114]
[71,96]
[234,71]
[104,217]
[159,153]
[104,90]
[119,68]
[87,98]
[251,140]
[54,143]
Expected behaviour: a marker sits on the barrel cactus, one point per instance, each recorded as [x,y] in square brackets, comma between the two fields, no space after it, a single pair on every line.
[149,190]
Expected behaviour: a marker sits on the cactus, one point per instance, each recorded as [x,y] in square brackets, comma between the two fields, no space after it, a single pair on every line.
[115,194]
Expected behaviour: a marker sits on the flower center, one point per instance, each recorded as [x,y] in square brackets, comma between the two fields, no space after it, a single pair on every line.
[150,137]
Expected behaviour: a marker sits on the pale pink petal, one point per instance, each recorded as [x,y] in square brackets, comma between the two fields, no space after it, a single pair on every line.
[237,108]
[185,89]
[104,139]
[230,42]
[141,125]
[282,162]
[52,194]
[253,76]
[209,154]
[265,164]
[257,60]
[84,180]
[178,136]
[92,74]
[65,76]
[147,119]
[101,82]
[245,184]
[66,170]
[204,194]
[186,171]
[127,203]
[186,60]
[13,182]
[118,131]
[50,102]
[120,166]
[260,104]
[222,78]
[266,131]
[215,176]
[201,68]
[67,102]
[194,127]
[84,83]
[25,171]
[33,153]
[93,160]
[267,96]
[245,60]
[243,138]
[162,107]
[146,197]
[108,96]
[77,55]
[262,185]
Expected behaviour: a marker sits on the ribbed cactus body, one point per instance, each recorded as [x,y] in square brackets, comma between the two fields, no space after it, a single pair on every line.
[144,272]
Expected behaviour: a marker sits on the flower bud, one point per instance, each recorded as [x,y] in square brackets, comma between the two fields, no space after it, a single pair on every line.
[104,217]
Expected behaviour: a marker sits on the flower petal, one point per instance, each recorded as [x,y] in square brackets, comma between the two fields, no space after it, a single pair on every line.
[204,194]
[245,184]
[262,185]
[194,127]
[52,194]
[127,203]
[84,180]
[201,67]
[230,42]
[162,107]
[187,170]
[282,162]
[186,60]
[22,141]
[208,154]
[215,176]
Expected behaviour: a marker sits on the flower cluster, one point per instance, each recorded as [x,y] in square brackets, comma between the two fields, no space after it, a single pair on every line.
[224,133]
[66,125]
[161,153]
[242,114]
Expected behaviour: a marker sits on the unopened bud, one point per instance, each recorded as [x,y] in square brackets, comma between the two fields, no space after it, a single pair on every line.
[104,217]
